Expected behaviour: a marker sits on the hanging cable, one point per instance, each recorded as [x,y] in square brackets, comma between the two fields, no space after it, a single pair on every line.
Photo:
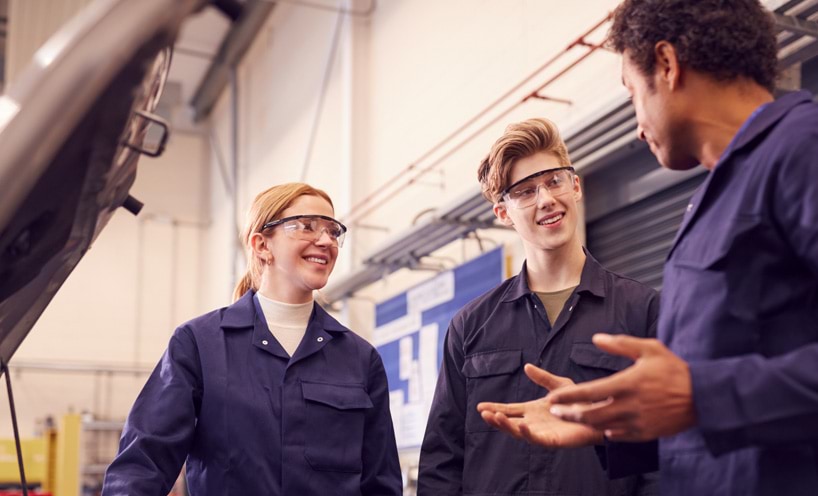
[237,245]
[5,370]
[217,151]
[336,35]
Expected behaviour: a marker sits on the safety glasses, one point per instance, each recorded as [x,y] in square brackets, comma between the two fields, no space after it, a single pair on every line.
[310,228]
[524,192]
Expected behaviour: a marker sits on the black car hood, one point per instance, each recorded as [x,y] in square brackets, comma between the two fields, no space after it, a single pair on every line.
[70,128]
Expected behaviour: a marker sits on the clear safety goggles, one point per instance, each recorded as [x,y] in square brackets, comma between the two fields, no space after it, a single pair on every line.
[525,192]
[310,228]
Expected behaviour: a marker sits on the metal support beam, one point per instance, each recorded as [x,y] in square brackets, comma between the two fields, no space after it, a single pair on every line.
[796,25]
[232,50]
[472,225]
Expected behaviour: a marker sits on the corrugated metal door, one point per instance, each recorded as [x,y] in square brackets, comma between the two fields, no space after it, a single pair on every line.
[634,240]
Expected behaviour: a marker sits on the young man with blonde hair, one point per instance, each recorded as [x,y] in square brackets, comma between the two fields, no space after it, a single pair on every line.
[545,315]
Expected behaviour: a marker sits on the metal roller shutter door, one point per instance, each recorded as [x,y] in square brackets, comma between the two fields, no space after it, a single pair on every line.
[634,240]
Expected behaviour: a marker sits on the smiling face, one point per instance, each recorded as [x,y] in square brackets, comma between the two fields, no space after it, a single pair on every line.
[550,223]
[297,266]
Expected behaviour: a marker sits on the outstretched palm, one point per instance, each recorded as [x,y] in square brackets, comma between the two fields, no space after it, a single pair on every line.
[533,421]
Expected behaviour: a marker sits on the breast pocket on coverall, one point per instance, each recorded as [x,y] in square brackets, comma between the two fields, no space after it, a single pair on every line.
[590,363]
[335,415]
[490,376]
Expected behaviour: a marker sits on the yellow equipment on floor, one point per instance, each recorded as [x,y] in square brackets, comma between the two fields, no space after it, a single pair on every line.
[51,462]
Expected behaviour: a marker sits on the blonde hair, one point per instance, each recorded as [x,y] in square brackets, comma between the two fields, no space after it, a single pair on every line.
[520,140]
[266,207]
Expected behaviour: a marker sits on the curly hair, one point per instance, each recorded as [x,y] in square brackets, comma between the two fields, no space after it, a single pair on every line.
[520,140]
[726,39]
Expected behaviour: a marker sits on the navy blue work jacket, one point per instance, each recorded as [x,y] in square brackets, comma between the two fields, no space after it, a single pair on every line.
[740,305]
[487,343]
[252,421]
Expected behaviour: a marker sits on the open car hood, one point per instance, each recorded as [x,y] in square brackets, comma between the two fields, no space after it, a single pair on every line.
[70,130]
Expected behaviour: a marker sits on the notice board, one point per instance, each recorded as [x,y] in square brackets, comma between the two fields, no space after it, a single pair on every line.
[409,333]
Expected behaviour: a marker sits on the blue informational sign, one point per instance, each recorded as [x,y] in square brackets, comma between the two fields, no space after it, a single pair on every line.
[409,333]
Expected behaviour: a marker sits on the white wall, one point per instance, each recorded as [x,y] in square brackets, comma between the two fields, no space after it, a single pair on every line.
[278,88]
[404,79]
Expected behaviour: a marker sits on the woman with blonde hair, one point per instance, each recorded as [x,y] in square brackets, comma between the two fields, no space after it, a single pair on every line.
[270,395]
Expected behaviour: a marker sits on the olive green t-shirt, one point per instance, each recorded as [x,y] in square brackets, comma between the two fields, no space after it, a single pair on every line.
[553,302]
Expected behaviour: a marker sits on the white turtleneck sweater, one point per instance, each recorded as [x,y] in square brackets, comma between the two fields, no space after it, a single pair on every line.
[286,321]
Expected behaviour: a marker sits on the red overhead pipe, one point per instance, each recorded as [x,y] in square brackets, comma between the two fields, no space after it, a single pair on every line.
[354,212]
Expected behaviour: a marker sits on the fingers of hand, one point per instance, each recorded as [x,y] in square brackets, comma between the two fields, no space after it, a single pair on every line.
[525,433]
[509,409]
[589,392]
[546,379]
[578,412]
[602,415]
[625,345]
[502,423]
[489,418]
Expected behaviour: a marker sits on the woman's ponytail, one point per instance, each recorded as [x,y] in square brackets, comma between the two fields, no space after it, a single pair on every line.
[245,284]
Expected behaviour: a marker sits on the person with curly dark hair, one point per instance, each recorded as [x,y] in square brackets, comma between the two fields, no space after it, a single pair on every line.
[731,385]
[725,39]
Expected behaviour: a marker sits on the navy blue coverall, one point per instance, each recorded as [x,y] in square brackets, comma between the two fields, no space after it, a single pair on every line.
[740,305]
[251,421]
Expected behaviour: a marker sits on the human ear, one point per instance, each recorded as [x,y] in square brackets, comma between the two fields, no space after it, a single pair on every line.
[577,189]
[668,70]
[502,214]
[260,247]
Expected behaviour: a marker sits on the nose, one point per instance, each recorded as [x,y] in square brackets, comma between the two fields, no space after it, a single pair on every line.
[544,196]
[640,133]
[324,239]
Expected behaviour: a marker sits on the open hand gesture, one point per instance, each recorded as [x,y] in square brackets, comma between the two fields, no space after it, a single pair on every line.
[533,421]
